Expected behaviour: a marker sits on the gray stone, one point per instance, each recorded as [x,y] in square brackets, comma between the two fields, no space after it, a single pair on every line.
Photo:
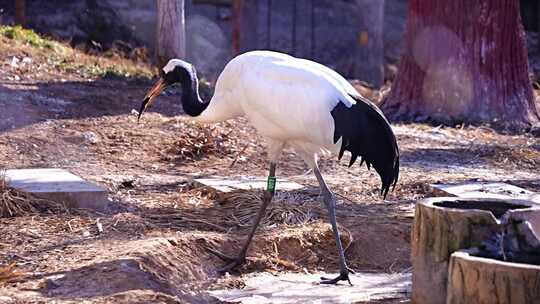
[222,184]
[58,185]
[262,288]
[483,190]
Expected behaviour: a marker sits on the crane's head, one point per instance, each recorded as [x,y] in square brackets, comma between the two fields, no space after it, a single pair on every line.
[175,71]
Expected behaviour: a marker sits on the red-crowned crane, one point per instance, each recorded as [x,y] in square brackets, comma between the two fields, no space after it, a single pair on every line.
[291,102]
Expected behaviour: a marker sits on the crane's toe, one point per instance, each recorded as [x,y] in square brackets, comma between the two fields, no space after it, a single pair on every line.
[219,254]
[232,265]
[231,262]
[343,276]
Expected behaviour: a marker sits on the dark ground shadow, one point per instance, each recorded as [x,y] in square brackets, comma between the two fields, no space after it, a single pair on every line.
[115,277]
[478,154]
[439,157]
[25,103]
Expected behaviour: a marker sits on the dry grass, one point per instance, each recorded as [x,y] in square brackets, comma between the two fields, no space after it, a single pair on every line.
[9,274]
[237,209]
[18,203]
[197,141]
[286,208]
[515,156]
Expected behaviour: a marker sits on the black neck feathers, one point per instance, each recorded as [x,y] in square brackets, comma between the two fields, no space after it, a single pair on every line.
[187,77]
[191,100]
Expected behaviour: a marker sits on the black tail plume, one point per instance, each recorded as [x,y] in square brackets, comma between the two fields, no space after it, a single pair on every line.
[365,132]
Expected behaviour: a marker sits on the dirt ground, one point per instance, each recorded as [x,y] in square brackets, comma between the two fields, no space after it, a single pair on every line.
[158,224]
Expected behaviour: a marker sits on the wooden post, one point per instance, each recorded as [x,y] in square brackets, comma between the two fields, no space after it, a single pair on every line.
[245,26]
[537,14]
[20,12]
[236,19]
[294,19]
[312,26]
[442,226]
[269,25]
[475,280]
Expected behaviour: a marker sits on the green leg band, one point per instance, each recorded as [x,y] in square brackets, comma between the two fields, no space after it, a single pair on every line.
[271,184]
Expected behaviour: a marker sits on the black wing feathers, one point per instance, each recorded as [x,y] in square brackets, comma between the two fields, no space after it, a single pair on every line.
[365,132]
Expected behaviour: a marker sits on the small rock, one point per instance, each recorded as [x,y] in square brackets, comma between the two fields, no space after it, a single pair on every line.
[4,299]
[27,60]
[91,137]
[99,226]
[30,233]
[14,62]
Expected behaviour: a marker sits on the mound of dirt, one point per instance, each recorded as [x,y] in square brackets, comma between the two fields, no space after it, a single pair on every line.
[156,264]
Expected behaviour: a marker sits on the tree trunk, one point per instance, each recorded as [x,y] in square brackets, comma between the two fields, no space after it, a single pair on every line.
[465,61]
[171,31]
[474,280]
[20,12]
[369,63]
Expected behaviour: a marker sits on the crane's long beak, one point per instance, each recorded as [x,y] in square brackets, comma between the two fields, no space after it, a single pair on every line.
[151,95]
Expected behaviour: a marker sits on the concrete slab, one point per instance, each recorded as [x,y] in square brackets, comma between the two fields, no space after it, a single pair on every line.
[58,185]
[483,190]
[223,184]
[291,288]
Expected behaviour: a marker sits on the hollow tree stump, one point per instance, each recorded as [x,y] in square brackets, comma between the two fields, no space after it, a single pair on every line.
[443,225]
[476,280]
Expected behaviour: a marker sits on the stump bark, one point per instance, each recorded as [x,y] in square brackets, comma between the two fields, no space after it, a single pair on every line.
[444,225]
[475,280]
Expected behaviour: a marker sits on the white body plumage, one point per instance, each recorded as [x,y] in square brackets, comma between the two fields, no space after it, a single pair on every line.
[294,102]
[288,100]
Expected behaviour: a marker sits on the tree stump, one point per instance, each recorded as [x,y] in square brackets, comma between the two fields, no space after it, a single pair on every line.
[476,280]
[446,224]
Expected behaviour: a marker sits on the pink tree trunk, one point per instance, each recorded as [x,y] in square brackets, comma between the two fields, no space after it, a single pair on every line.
[465,61]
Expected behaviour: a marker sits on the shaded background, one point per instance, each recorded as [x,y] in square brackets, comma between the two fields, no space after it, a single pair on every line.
[130,24]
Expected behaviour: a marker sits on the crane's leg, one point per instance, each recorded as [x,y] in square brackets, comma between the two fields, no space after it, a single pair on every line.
[241,258]
[330,203]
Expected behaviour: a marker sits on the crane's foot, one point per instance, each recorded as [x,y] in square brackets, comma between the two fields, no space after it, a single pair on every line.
[343,276]
[232,263]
